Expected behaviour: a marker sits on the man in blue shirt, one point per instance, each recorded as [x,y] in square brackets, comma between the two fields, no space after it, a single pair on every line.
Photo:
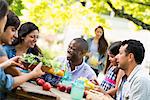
[10,32]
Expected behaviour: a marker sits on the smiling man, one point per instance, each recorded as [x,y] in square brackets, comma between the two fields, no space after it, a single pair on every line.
[135,84]
[75,62]
[7,37]
[10,29]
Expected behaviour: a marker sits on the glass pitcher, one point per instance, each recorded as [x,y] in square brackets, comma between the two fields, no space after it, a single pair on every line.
[77,90]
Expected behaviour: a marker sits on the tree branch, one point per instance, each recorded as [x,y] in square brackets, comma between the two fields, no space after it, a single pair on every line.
[141,3]
[122,14]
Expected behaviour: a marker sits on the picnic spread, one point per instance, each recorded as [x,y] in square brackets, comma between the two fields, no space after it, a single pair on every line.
[55,84]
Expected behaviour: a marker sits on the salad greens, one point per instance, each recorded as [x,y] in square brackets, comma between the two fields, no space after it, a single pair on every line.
[30,58]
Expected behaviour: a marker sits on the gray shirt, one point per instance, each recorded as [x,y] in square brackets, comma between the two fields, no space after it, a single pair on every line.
[137,86]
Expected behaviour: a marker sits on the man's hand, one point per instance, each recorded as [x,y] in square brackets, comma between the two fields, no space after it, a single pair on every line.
[11,62]
[37,72]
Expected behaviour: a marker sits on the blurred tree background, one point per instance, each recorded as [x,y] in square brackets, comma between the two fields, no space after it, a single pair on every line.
[52,16]
[55,14]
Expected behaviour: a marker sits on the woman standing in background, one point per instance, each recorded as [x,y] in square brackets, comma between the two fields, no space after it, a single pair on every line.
[96,55]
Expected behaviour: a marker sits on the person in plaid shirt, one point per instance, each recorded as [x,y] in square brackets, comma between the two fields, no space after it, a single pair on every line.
[112,74]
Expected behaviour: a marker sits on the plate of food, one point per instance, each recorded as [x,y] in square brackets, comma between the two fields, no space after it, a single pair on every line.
[30,61]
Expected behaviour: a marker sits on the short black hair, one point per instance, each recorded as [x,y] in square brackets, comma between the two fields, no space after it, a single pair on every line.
[83,44]
[3,8]
[12,20]
[135,47]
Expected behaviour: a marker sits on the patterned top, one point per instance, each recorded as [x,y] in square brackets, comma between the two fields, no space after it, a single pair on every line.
[110,79]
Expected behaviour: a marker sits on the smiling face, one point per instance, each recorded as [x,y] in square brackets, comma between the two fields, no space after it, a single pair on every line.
[9,35]
[31,39]
[73,52]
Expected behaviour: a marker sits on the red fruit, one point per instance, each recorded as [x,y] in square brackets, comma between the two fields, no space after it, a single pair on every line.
[68,89]
[58,85]
[47,86]
[62,88]
[40,82]
[37,80]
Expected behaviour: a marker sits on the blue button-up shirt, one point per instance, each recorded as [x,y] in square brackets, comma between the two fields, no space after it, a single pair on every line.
[10,51]
[6,83]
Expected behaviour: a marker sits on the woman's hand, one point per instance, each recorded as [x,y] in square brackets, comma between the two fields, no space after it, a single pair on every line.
[94,95]
[94,81]
[99,89]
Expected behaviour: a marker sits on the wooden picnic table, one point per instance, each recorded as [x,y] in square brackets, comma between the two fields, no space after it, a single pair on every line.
[30,91]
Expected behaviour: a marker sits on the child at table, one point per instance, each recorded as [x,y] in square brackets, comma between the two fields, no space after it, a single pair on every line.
[112,74]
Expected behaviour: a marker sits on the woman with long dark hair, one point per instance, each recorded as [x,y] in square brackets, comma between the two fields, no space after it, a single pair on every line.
[97,50]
